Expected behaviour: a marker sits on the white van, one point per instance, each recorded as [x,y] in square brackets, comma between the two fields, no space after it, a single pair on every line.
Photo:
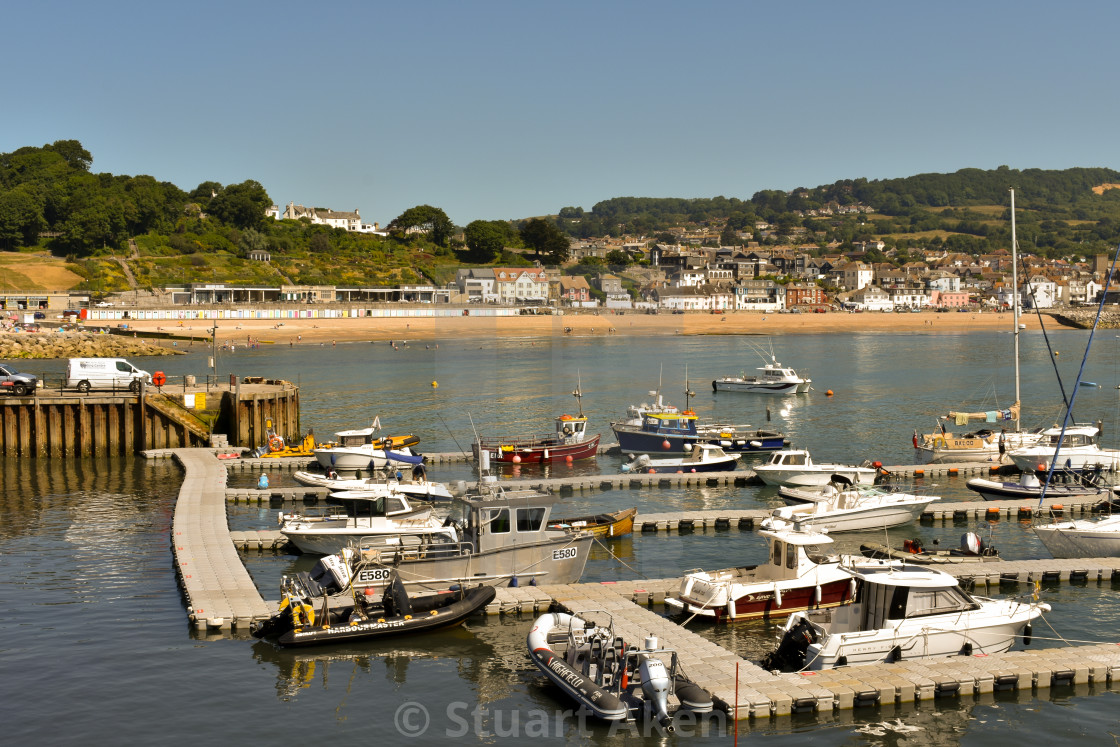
[104,373]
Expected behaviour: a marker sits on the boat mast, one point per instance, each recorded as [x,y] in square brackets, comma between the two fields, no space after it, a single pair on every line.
[578,394]
[1015,302]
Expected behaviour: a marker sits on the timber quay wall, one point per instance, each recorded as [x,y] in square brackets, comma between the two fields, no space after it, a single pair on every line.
[70,424]
[221,596]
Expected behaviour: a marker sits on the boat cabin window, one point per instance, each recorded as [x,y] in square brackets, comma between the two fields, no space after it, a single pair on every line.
[778,553]
[530,519]
[795,459]
[499,521]
[921,602]
[395,504]
[352,440]
[791,556]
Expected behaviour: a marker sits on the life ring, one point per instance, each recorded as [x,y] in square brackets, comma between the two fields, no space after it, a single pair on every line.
[275,443]
[939,442]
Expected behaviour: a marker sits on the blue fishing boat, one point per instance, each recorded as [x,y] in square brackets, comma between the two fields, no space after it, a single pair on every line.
[662,429]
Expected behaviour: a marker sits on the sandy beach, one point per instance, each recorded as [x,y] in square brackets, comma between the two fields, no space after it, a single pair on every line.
[306,331]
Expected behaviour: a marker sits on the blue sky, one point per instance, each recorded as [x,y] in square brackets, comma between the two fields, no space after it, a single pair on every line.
[495,110]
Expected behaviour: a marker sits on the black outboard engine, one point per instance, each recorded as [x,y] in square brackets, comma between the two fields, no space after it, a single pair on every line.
[790,654]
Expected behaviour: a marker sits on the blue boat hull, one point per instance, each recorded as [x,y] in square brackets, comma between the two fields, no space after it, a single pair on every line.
[632,441]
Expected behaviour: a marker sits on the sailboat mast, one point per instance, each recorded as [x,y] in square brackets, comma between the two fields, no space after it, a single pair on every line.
[1015,300]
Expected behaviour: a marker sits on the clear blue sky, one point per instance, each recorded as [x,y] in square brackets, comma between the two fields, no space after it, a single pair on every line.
[495,110]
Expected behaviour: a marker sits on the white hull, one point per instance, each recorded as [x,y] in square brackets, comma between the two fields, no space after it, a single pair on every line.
[817,475]
[856,519]
[1076,458]
[761,387]
[1082,538]
[325,541]
[990,630]
[355,458]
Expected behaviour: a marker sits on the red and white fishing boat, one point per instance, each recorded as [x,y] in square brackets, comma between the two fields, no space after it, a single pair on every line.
[797,576]
[569,443]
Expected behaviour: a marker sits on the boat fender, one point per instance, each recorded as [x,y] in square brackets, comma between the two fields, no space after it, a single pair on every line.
[852,590]
[1027,631]
[777,596]
[817,595]
[756,444]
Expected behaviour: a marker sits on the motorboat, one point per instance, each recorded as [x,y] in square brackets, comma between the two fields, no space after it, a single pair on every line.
[973,549]
[1076,448]
[798,575]
[1063,484]
[504,538]
[902,612]
[843,507]
[796,467]
[985,444]
[698,458]
[662,428]
[605,525]
[384,519]
[362,449]
[1081,538]
[298,623]
[772,378]
[342,487]
[590,662]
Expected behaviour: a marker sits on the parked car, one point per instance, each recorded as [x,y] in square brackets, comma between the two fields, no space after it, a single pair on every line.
[40,315]
[19,384]
[107,304]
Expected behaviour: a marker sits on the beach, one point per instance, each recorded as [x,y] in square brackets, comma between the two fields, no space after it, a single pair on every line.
[584,324]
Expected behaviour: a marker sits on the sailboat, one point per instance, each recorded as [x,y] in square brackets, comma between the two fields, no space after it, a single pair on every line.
[992,442]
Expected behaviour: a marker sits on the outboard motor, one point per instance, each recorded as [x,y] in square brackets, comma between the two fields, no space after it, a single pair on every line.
[655,685]
[790,654]
[971,544]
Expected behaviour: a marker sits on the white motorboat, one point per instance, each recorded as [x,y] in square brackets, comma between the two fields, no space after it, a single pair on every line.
[698,458]
[773,378]
[846,508]
[984,444]
[372,487]
[591,663]
[1082,538]
[361,449]
[902,612]
[386,520]
[798,575]
[796,467]
[1076,449]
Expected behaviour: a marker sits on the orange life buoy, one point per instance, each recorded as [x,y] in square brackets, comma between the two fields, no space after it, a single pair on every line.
[275,444]
[565,417]
[689,413]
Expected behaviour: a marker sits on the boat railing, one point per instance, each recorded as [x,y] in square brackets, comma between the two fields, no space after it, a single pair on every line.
[370,553]
[515,442]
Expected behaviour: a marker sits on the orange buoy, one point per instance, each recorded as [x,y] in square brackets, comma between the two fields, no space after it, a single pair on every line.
[876,465]
[568,459]
[919,472]
[1041,467]
[693,469]
[666,445]
[828,393]
[516,459]
[652,470]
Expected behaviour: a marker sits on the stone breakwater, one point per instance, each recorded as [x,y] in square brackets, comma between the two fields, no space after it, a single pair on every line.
[19,345]
[1083,318]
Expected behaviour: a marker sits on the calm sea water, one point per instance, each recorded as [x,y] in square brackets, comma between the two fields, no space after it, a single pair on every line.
[96,647]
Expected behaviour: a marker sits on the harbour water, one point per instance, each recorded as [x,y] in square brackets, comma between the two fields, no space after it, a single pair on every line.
[97,648]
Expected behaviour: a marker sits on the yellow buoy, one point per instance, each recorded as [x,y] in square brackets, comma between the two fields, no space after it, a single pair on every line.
[435,384]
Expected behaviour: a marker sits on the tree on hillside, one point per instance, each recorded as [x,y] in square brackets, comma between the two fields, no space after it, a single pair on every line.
[242,205]
[73,153]
[486,239]
[545,239]
[203,193]
[426,218]
[618,258]
[21,217]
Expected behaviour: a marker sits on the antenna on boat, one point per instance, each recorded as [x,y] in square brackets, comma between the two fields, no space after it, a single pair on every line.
[1015,303]
[688,393]
[578,394]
